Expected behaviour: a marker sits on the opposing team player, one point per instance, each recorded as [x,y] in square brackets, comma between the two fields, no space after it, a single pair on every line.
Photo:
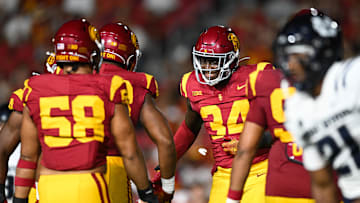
[216,94]
[70,118]
[121,53]
[323,115]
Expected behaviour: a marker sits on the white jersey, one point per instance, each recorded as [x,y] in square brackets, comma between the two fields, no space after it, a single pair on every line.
[328,126]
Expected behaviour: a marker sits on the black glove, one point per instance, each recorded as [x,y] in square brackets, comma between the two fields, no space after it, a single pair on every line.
[148,195]
[2,193]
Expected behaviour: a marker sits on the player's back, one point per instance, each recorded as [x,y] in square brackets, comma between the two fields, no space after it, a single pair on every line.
[286,176]
[140,85]
[72,114]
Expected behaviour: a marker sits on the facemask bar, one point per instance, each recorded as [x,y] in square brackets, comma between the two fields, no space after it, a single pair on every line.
[223,66]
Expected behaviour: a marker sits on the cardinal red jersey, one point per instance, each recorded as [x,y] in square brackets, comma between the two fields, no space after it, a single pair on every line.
[286,176]
[139,85]
[72,114]
[223,110]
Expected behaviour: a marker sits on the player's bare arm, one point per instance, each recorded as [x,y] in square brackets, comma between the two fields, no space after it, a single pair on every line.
[323,185]
[247,147]
[30,150]
[9,139]
[157,127]
[124,133]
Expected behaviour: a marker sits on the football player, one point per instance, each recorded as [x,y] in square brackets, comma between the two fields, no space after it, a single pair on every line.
[121,53]
[287,180]
[216,95]
[323,114]
[70,118]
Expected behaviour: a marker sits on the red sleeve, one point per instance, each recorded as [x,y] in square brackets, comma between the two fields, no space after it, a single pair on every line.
[183,139]
[257,112]
[152,85]
[15,101]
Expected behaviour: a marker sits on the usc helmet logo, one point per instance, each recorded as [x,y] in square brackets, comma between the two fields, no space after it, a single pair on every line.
[235,41]
[134,40]
[93,33]
[51,59]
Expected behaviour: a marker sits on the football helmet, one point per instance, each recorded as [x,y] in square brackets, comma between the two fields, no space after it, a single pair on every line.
[77,41]
[120,45]
[215,55]
[312,33]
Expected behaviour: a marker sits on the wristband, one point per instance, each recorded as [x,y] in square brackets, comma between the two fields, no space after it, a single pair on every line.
[20,200]
[168,185]
[24,181]
[228,200]
[235,195]
[147,195]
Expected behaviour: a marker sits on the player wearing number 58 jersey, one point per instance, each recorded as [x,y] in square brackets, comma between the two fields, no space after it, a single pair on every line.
[70,118]
[121,54]
[216,93]
[323,114]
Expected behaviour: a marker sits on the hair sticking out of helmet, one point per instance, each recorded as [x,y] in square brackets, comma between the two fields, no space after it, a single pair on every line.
[315,35]
[77,41]
[216,55]
[120,45]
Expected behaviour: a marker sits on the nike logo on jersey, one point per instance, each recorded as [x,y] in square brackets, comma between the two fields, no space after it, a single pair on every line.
[240,87]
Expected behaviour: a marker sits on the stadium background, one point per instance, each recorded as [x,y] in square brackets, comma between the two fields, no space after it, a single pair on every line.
[167,30]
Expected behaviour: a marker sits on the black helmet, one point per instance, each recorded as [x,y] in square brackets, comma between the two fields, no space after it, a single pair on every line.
[313,33]
[4,113]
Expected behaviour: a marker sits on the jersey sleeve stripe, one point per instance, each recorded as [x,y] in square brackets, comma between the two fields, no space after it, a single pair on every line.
[148,80]
[184,83]
[27,90]
[116,83]
[253,75]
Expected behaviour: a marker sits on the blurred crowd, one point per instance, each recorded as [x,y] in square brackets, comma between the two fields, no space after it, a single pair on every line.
[167,30]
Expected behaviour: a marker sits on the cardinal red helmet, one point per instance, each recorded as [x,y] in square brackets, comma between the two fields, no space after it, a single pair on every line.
[78,41]
[120,45]
[219,47]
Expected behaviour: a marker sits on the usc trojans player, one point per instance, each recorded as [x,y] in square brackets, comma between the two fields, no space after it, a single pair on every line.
[121,53]
[216,95]
[70,117]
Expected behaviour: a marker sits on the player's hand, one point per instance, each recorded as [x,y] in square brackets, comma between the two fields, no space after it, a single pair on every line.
[163,196]
[158,191]
[230,146]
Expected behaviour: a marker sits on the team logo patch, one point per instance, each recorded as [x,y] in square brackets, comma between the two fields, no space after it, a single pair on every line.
[196,93]
[93,33]
[234,40]
[134,40]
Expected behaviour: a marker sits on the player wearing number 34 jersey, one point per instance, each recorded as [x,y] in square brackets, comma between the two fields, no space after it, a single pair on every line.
[216,93]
